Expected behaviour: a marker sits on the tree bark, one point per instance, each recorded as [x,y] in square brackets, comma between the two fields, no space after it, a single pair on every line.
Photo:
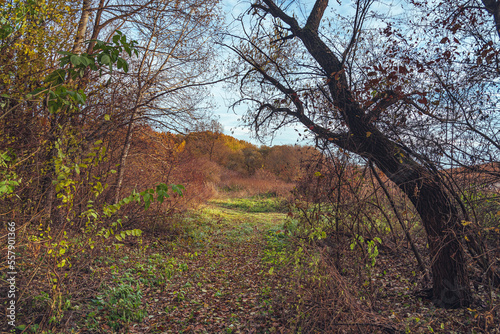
[493,7]
[82,26]
[451,288]
[124,157]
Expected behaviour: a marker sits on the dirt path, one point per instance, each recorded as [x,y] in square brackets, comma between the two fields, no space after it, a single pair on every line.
[219,283]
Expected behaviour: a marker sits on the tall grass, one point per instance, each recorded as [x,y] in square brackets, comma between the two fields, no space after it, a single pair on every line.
[262,183]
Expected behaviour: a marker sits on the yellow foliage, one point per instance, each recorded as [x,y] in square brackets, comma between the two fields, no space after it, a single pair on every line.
[235,144]
[40,28]
[181,146]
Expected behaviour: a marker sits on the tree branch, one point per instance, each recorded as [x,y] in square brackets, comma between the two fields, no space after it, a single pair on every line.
[321,132]
[493,7]
[382,103]
[275,11]
[316,15]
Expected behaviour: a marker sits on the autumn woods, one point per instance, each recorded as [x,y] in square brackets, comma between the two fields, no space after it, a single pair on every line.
[132,205]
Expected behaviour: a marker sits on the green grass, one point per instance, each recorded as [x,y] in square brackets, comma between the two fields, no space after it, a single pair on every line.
[119,305]
[234,219]
[254,204]
[194,273]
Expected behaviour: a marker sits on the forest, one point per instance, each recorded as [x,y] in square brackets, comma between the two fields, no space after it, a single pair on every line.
[126,207]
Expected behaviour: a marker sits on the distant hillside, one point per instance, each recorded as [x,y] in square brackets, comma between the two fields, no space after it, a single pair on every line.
[209,162]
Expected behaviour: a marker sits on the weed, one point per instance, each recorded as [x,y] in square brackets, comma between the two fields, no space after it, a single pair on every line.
[180,295]
[41,301]
[253,204]
[119,305]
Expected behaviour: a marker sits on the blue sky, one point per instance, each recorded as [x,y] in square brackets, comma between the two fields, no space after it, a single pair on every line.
[230,120]
[228,117]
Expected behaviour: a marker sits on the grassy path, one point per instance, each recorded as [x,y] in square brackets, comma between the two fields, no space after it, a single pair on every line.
[217,282]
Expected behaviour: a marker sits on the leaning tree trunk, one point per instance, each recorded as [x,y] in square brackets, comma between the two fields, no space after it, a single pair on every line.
[451,288]
[439,215]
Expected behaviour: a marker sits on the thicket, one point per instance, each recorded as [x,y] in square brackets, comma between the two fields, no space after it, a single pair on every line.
[353,255]
[82,171]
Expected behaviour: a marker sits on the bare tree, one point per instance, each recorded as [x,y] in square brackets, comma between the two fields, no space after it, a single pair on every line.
[166,85]
[375,104]
[175,60]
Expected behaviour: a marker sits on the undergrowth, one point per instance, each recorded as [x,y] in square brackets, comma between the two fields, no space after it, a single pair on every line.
[265,203]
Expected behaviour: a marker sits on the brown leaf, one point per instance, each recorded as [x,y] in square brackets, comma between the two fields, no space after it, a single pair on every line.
[423,100]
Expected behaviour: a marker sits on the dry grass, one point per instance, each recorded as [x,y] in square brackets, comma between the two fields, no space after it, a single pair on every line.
[262,183]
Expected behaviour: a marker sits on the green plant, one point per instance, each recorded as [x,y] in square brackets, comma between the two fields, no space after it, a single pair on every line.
[120,304]
[373,249]
[79,227]
[8,179]
[180,295]
[275,252]
[253,204]
[59,95]
[41,301]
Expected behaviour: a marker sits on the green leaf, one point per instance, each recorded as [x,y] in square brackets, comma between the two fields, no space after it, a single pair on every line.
[64,61]
[75,60]
[107,117]
[147,200]
[88,61]
[105,60]
[57,76]
[177,188]
[4,189]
